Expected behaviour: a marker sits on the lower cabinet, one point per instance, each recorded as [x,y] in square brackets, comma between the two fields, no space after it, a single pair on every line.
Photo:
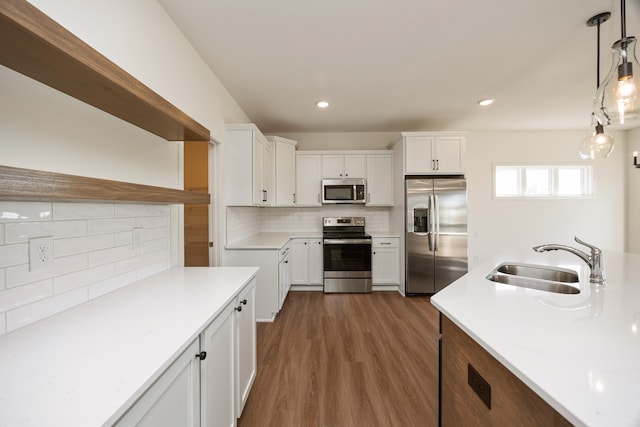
[209,383]
[306,260]
[476,389]
[174,399]
[385,261]
[284,274]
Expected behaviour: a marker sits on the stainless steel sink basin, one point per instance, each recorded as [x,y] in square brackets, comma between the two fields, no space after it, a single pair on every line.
[540,277]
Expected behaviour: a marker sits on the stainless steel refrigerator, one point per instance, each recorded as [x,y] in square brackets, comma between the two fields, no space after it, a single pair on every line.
[436,233]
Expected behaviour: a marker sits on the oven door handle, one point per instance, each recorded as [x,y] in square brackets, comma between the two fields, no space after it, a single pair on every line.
[347,241]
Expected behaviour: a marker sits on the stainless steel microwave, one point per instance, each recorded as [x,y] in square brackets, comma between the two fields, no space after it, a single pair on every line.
[344,191]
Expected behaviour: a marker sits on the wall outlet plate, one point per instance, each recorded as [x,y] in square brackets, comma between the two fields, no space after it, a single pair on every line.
[40,252]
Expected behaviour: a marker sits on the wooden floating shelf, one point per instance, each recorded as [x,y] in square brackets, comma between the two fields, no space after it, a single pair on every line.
[17,184]
[33,44]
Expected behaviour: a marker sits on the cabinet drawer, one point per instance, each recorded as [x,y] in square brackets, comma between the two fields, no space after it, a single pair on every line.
[386,242]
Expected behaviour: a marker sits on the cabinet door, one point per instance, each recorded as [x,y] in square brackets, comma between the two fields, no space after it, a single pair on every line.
[238,149]
[258,170]
[245,336]
[174,399]
[308,179]
[385,266]
[418,155]
[354,166]
[315,269]
[285,168]
[268,157]
[216,371]
[449,154]
[299,261]
[332,166]
[379,180]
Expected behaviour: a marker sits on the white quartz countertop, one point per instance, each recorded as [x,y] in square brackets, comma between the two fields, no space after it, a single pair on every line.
[86,366]
[580,353]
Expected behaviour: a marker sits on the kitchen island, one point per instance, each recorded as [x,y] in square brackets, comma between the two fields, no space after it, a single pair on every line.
[88,365]
[579,353]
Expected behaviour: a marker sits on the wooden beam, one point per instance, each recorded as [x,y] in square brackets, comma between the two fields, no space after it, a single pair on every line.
[33,44]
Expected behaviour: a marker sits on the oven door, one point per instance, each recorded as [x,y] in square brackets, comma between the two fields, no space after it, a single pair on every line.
[347,255]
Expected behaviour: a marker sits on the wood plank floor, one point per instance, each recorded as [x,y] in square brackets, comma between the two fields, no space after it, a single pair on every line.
[344,360]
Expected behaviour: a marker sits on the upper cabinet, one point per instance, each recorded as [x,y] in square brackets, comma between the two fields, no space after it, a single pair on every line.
[249,166]
[35,45]
[285,170]
[433,153]
[379,179]
[343,166]
[308,179]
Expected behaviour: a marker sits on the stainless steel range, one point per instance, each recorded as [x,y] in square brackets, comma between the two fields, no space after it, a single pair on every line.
[347,255]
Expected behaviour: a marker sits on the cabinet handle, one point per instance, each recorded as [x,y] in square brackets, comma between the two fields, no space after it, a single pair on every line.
[305,243]
[385,243]
[374,252]
[294,198]
[202,355]
[437,164]
[286,262]
[238,308]
[243,302]
[433,165]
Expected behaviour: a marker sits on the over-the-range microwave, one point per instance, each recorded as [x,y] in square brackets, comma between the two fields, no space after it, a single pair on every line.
[344,191]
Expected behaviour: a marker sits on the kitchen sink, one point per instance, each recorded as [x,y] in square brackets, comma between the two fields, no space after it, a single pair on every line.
[539,277]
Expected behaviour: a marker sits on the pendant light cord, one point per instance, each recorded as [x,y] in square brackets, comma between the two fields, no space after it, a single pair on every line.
[623,19]
[598,59]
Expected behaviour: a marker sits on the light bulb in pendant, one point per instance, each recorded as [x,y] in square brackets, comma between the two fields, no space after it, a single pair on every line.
[596,144]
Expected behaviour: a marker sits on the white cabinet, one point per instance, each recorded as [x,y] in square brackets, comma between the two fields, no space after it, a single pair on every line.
[267,280]
[284,274]
[306,260]
[285,170]
[249,166]
[174,399]
[217,375]
[343,166]
[385,261]
[379,179]
[433,154]
[245,345]
[308,179]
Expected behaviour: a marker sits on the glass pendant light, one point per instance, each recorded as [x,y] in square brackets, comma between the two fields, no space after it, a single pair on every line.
[616,101]
[596,144]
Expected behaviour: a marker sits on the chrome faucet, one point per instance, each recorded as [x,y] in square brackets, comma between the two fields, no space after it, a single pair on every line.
[595,261]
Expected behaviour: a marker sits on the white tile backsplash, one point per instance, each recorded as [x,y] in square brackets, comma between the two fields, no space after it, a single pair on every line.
[93,254]
[243,222]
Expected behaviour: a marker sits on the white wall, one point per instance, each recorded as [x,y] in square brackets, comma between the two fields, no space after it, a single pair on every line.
[41,128]
[496,224]
[633,193]
[308,141]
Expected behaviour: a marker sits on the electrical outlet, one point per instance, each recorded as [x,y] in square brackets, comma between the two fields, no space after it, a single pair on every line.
[138,237]
[40,253]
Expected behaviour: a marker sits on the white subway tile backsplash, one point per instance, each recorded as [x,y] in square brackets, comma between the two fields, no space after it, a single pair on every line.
[31,313]
[102,226]
[109,285]
[76,245]
[81,278]
[93,254]
[14,255]
[62,211]
[22,232]
[25,211]
[20,274]
[110,255]
[134,210]
[26,294]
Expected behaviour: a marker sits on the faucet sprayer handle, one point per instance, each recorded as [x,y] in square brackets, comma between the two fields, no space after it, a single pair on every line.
[594,249]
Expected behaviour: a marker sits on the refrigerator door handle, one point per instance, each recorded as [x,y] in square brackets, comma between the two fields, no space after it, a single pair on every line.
[431,229]
[436,223]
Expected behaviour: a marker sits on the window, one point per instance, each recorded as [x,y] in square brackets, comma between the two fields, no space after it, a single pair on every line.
[542,181]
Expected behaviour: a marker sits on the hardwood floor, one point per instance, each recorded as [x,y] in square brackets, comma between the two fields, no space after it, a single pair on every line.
[347,360]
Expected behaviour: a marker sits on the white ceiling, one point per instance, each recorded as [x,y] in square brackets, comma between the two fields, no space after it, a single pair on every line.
[405,65]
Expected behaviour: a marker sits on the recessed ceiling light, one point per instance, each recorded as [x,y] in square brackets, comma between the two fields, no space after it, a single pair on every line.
[322,104]
[485,102]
